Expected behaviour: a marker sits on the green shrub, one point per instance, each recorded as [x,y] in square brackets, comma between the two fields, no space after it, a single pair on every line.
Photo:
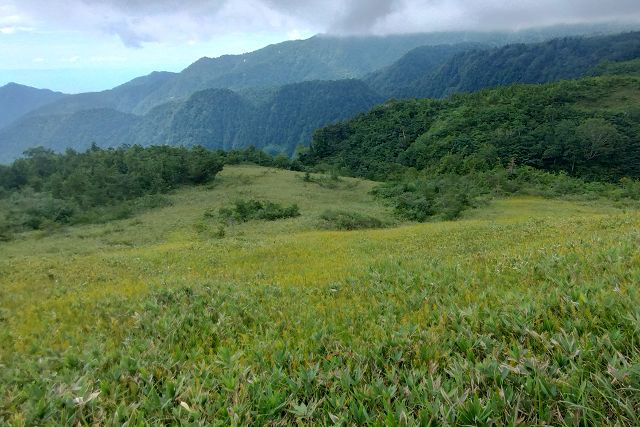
[220,233]
[247,210]
[343,220]
[5,233]
[330,181]
[443,196]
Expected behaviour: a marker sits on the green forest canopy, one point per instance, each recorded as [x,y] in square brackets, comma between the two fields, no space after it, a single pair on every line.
[589,128]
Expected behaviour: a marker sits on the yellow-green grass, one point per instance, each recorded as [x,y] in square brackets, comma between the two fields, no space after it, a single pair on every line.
[524,311]
[623,93]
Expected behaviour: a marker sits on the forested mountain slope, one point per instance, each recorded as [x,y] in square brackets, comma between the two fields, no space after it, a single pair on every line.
[317,58]
[124,98]
[17,100]
[214,118]
[397,80]
[589,128]
[417,76]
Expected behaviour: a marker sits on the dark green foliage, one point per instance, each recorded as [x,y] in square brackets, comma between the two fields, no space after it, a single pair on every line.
[398,79]
[445,197]
[587,128]
[247,210]
[258,157]
[215,118]
[286,118]
[6,234]
[330,181]
[369,144]
[343,220]
[295,111]
[45,188]
[617,68]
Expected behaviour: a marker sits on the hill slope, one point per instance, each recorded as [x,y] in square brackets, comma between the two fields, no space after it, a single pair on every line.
[586,127]
[123,98]
[318,58]
[17,100]
[398,79]
[526,309]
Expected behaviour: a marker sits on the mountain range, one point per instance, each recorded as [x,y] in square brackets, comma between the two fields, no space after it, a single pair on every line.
[276,97]
[17,100]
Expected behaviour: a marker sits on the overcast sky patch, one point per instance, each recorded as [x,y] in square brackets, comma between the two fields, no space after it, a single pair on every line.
[142,21]
[171,34]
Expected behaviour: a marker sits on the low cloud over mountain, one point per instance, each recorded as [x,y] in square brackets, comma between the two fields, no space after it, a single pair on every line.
[140,21]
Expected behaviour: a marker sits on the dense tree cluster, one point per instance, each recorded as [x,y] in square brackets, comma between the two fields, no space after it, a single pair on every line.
[45,187]
[247,210]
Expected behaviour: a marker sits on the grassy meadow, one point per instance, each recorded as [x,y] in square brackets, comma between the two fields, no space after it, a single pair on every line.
[524,312]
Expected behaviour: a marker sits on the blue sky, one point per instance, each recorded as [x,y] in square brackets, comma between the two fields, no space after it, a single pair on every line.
[75,62]
[82,45]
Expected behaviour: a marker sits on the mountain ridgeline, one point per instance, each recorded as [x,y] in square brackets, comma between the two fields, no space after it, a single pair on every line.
[321,57]
[17,100]
[214,118]
[416,75]
[238,101]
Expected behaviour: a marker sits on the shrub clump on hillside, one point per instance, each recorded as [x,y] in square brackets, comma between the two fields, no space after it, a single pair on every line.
[343,220]
[444,197]
[331,181]
[447,196]
[247,210]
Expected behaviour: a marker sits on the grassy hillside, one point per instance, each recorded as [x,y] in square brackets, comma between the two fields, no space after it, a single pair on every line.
[524,312]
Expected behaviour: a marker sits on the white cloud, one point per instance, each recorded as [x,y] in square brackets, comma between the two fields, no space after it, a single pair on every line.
[294,35]
[13,30]
[141,21]
[108,58]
